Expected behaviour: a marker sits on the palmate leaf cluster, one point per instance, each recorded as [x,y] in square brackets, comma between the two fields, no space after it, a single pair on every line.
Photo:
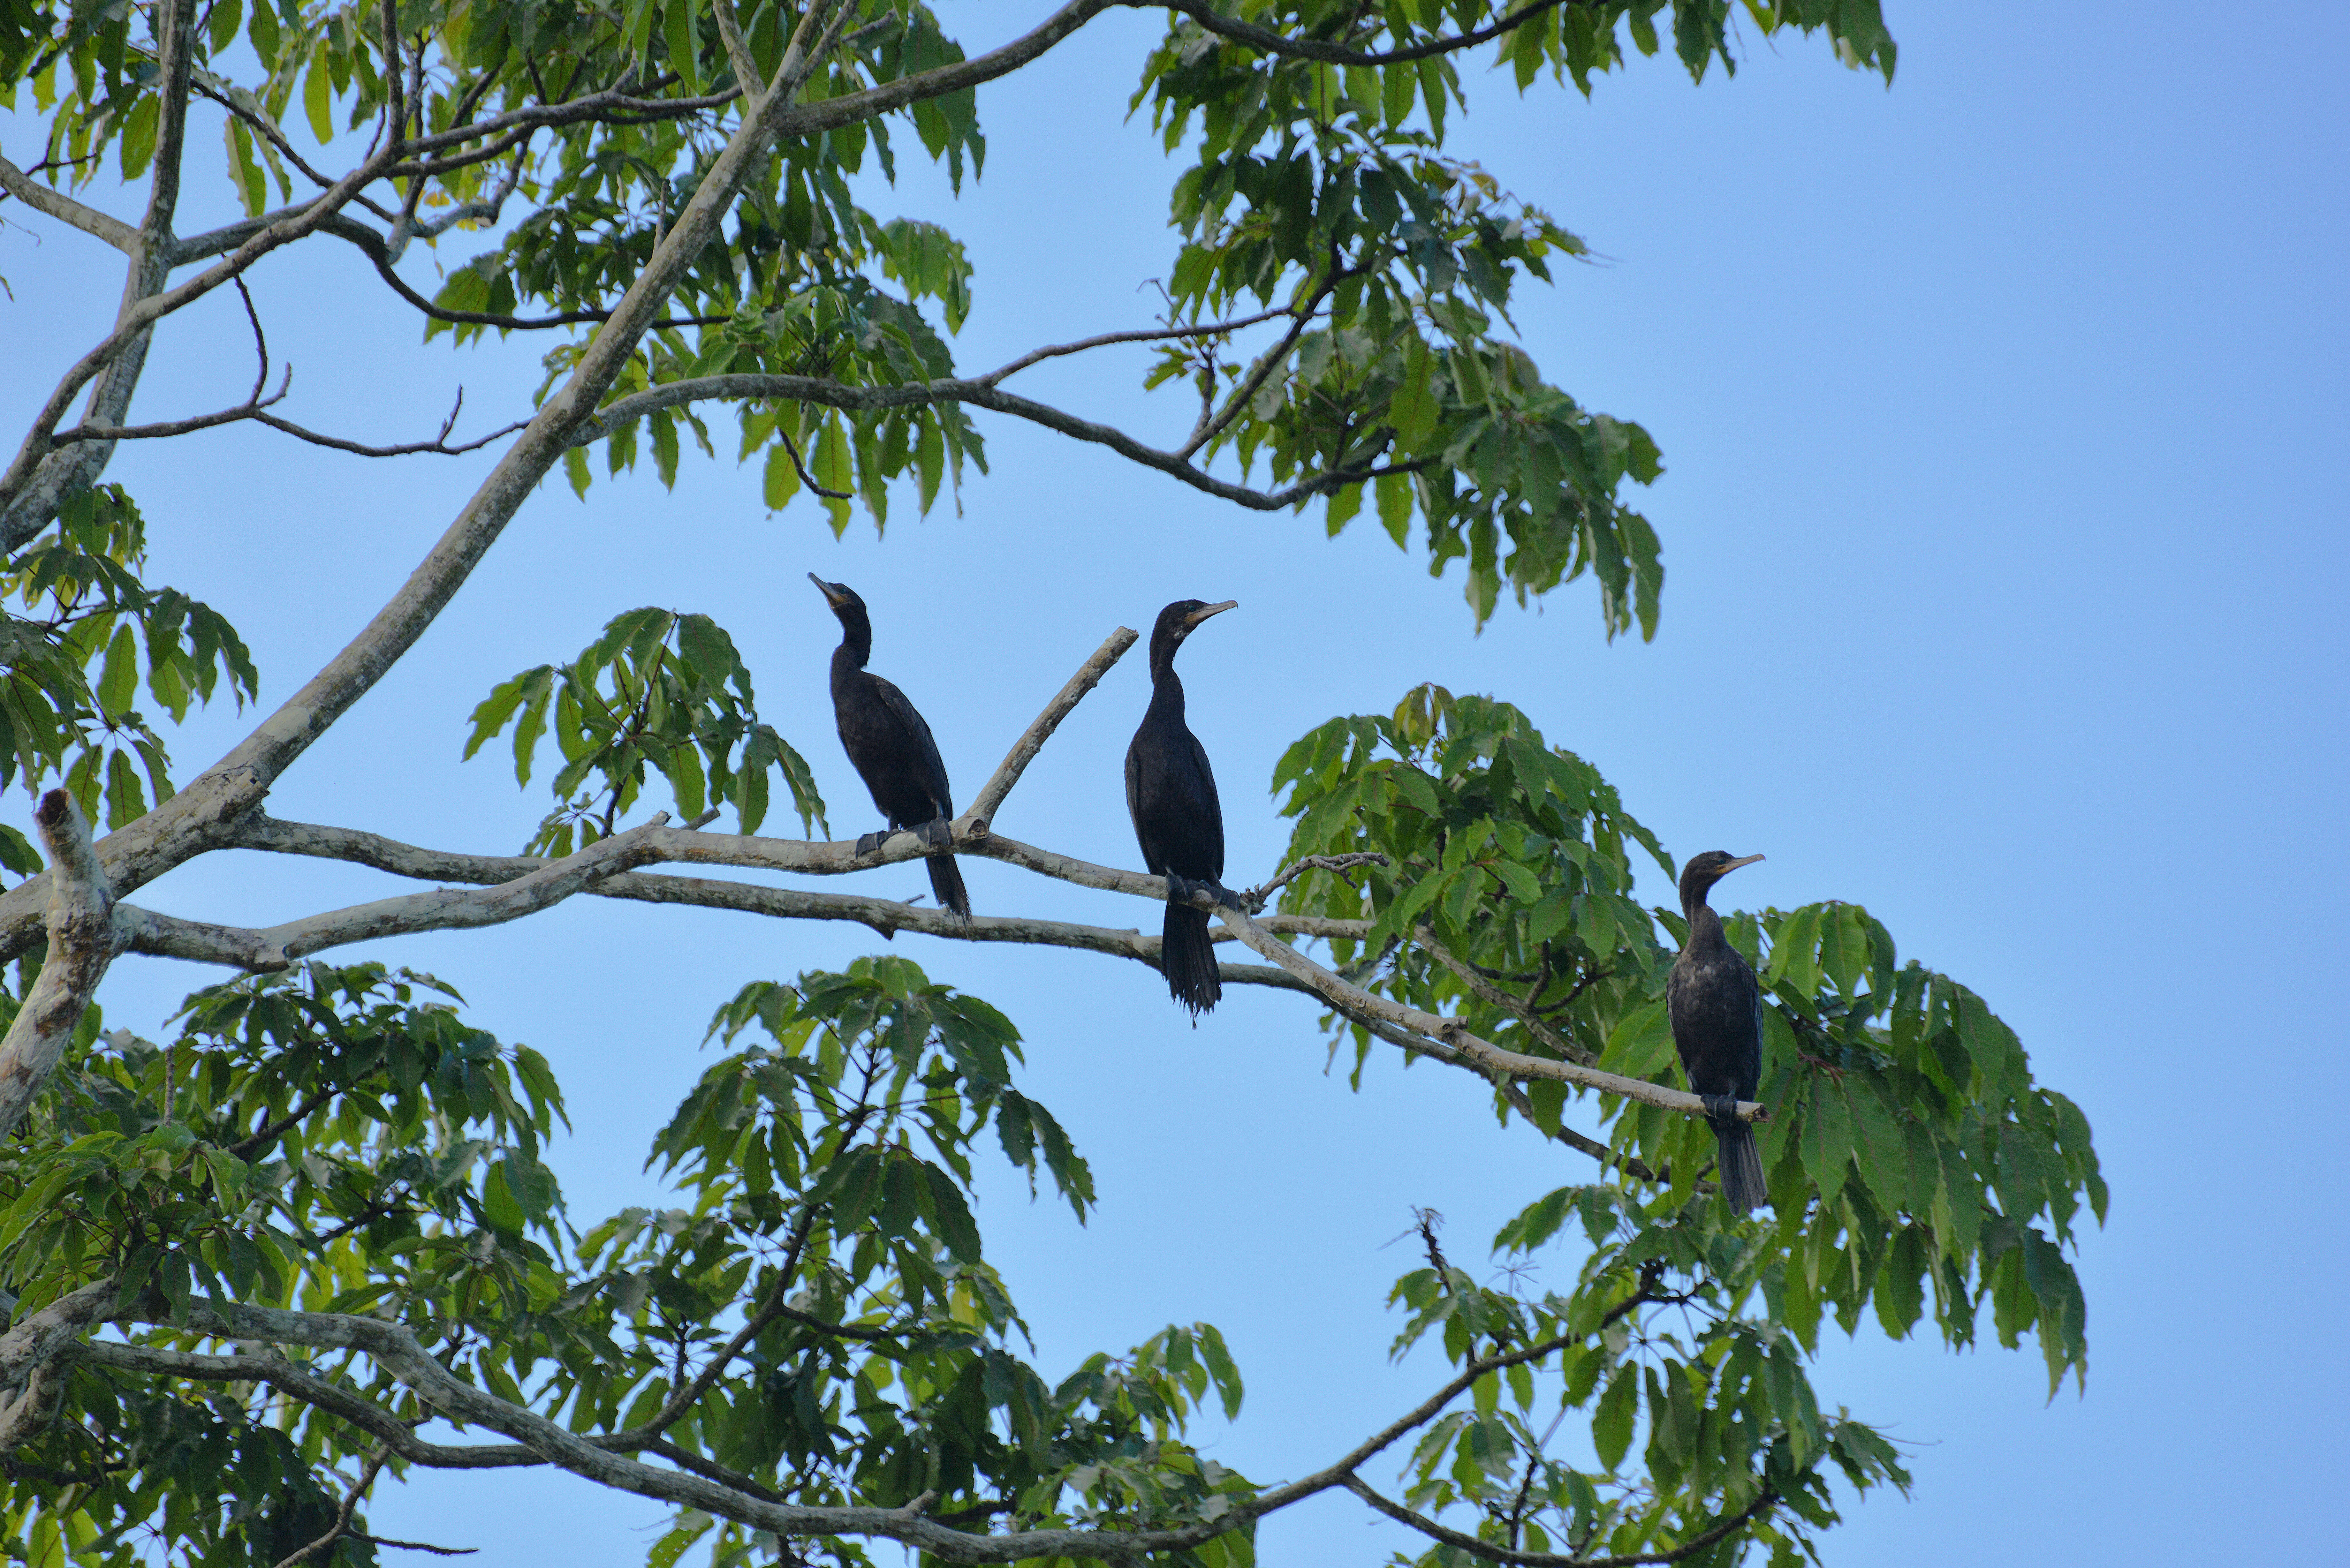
[78,632]
[658,691]
[1319,186]
[339,1140]
[1912,1158]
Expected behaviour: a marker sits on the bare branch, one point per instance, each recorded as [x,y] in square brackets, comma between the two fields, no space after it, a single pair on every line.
[250,409]
[990,798]
[66,209]
[791,450]
[81,945]
[1337,864]
[438,445]
[738,51]
[140,316]
[1266,363]
[1486,1550]
[1141,335]
[832,113]
[1272,43]
[39,480]
[30,1388]
[978,394]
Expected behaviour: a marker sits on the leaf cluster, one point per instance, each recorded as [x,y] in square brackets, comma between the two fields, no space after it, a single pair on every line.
[659,690]
[333,1139]
[72,662]
[1911,1155]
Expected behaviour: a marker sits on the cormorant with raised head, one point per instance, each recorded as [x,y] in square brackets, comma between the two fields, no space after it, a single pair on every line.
[1170,793]
[890,746]
[1717,1016]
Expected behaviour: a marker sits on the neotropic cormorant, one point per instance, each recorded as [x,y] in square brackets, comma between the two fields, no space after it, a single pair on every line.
[1717,1016]
[1170,793]
[890,747]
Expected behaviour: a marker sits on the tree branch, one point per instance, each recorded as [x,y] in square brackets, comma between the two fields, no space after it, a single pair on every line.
[1493,1058]
[81,945]
[30,1390]
[66,209]
[978,394]
[1273,43]
[1702,1541]
[990,798]
[1141,335]
[1487,991]
[832,113]
[38,481]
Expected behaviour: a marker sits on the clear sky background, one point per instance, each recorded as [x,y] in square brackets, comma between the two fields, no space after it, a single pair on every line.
[2003,518]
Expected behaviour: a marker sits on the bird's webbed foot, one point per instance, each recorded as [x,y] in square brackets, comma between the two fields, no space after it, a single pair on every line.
[1720,1107]
[938,833]
[1224,896]
[1180,888]
[870,844]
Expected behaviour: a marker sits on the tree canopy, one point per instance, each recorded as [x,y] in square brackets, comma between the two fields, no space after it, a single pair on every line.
[312,1238]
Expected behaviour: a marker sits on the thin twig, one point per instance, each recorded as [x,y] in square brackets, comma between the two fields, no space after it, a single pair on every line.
[1254,901]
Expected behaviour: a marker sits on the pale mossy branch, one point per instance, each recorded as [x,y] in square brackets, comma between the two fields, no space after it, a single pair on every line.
[82,943]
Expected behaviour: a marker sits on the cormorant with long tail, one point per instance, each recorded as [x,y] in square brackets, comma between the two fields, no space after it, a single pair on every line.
[1717,1016]
[1170,793]
[890,746]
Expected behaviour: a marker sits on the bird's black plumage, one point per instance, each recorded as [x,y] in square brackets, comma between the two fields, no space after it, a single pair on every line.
[1170,793]
[1717,1017]
[890,745]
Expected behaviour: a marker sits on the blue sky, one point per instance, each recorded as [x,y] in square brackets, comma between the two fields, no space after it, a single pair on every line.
[2004,522]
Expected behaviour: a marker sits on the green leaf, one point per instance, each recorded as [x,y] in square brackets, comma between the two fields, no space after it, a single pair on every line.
[1412,411]
[1611,1422]
[117,684]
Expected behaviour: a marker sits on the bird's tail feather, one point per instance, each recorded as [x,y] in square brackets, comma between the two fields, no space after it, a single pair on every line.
[1740,1166]
[1189,958]
[946,882]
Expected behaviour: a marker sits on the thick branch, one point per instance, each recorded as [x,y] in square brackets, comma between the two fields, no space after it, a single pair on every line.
[66,209]
[990,798]
[39,480]
[30,1388]
[81,944]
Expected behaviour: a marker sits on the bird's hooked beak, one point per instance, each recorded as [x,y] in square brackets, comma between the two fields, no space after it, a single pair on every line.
[829,590]
[1735,865]
[1193,620]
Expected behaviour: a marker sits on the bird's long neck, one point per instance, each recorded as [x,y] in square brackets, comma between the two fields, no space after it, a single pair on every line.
[1166,690]
[1704,925]
[856,643]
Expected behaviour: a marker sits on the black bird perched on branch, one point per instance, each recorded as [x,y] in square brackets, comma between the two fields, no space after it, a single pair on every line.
[890,746]
[1170,793]
[1717,1017]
